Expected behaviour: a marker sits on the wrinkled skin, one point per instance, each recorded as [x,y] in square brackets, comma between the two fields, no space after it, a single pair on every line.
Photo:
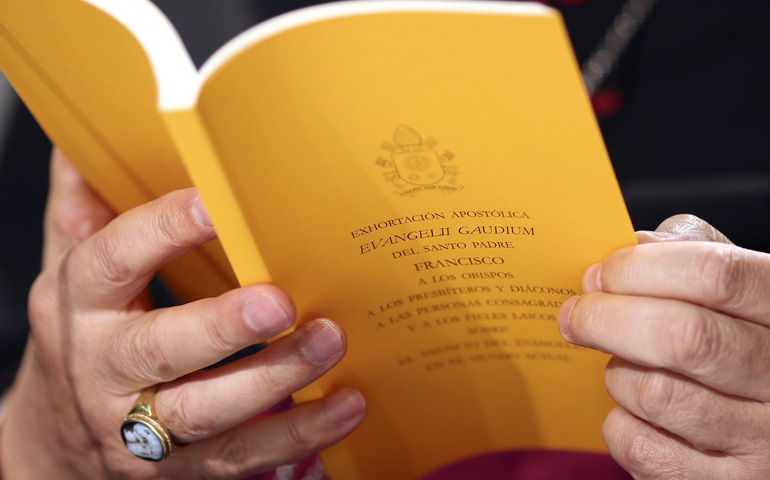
[94,347]
[686,316]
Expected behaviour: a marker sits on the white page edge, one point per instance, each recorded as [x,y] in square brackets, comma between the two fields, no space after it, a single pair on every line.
[177,80]
[179,83]
[327,11]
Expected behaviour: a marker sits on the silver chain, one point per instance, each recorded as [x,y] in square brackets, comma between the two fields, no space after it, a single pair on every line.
[611,48]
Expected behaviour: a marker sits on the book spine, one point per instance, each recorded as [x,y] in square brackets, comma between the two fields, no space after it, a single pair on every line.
[201,160]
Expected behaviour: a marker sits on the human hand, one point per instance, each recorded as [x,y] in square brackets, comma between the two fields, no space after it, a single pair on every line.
[686,315]
[94,347]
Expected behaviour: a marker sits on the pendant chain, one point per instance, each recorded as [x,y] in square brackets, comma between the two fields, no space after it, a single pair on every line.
[611,48]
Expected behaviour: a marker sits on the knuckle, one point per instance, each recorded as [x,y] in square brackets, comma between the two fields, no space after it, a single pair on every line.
[695,345]
[723,269]
[220,337]
[665,399]
[236,456]
[628,446]
[656,397]
[183,418]
[106,260]
[146,355]
[645,458]
[167,224]
[69,224]
[61,221]
[268,381]
[636,452]
[172,222]
[297,439]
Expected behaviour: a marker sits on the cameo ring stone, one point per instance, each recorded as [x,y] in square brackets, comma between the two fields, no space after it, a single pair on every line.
[144,435]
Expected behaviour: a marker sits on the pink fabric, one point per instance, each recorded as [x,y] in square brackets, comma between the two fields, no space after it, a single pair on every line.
[522,465]
[534,465]
[308,469]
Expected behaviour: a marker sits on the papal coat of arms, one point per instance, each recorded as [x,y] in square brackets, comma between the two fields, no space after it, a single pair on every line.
[414,165]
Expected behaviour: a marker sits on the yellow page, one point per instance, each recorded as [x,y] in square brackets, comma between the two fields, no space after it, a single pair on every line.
[436,183]
[91,86]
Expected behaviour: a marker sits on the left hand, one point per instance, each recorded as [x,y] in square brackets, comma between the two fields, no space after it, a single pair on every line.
[686,315]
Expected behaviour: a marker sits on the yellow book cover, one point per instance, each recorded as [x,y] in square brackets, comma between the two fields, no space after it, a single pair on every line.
[427,174]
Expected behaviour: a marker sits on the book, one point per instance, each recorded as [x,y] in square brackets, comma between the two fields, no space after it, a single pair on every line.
[428,174]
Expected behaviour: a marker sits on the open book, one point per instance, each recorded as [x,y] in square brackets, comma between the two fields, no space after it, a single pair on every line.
[428,174]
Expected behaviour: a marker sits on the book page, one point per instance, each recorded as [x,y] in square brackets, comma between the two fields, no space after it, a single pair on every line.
[437,184]
[92,87]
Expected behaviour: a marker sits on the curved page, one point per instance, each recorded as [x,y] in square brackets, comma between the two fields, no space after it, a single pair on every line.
[91,85]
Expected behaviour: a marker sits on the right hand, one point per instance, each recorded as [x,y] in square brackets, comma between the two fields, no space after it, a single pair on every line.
[686,316]
[94,347]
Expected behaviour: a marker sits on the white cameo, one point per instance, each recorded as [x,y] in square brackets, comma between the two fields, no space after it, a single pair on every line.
[142,442]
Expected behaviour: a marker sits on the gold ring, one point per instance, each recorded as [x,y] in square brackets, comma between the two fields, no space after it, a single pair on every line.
[143,434]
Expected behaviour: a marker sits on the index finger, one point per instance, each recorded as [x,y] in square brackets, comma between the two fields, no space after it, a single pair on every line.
[73,211]
[724,278]
[110,268]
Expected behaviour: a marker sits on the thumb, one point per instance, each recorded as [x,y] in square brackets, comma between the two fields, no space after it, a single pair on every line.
[681,228]
[73,211]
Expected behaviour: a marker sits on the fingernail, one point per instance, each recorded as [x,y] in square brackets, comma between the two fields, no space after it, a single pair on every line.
[265,315]
[655,234]
[285,472]
[316,471]
[646,236]
[345,405]
[591,279]
[564,313]
[321,342]
[200,214]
